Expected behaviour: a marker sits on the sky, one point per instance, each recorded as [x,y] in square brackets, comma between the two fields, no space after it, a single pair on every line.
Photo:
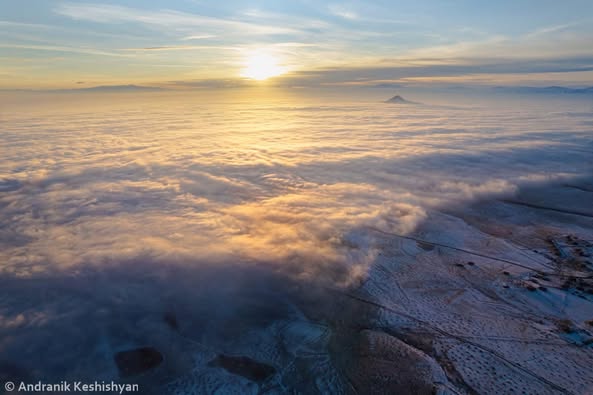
[191,43]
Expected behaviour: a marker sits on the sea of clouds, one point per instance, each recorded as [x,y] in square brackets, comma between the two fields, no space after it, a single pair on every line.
[284,182]
[135,200]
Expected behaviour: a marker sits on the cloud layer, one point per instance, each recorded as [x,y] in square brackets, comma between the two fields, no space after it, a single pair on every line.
[117,209]
[254,182]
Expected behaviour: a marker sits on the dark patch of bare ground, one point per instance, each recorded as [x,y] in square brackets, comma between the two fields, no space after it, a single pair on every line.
[137,361]
[384,364]
[369,359]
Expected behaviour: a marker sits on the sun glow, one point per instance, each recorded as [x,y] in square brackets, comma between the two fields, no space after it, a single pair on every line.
[261,66]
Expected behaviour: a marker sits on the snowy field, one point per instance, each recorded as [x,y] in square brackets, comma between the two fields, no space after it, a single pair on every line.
[297,243]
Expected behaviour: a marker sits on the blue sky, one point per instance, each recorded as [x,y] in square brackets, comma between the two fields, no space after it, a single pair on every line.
[190,42]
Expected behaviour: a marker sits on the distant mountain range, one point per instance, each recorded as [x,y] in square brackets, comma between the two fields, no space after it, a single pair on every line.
[101,88]
[114,88]
[555,90]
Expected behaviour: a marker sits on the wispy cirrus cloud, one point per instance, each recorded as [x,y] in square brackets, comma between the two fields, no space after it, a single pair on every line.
[552,42]
[169,19]
[180,48]
[198,37]
[551,29]
[341,11]
[60,48]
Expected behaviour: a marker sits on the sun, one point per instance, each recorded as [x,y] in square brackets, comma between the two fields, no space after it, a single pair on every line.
[261,66]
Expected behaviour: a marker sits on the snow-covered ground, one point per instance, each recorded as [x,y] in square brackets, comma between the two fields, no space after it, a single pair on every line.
[492,294]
